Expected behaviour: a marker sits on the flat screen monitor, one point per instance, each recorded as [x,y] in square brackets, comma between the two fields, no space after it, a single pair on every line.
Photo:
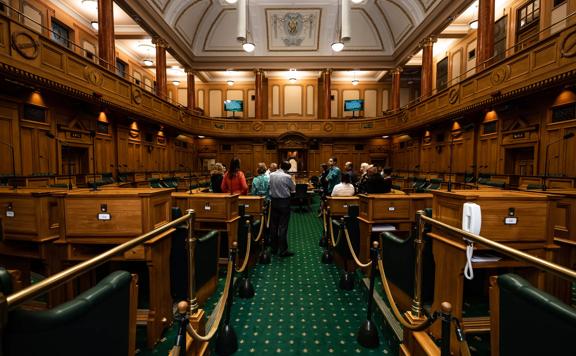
[234,105]
[354,105]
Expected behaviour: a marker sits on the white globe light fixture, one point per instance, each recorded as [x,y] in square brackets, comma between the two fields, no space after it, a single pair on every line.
[248,47]
[337,46]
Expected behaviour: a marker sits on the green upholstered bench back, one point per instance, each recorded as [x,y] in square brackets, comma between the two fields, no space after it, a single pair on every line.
[96,322]
[533,322]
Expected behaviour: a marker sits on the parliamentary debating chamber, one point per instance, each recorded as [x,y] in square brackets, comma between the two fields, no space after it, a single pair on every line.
[418,156]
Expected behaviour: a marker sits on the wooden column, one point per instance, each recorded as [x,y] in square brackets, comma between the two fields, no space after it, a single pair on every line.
[106,45]
[160,67]
[327,104]
[485,35]
[427,67]
[259,98]
[191,89]
[395,105]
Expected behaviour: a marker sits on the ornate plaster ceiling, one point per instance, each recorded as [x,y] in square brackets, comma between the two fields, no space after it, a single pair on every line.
[202,33]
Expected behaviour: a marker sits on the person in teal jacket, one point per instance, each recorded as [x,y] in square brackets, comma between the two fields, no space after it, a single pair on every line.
[261,184]
[333,176]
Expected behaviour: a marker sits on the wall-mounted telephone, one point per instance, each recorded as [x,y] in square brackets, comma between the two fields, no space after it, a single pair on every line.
[471,222]
[471,218]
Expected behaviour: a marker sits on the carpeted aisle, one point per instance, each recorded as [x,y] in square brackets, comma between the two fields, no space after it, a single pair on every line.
[298,308]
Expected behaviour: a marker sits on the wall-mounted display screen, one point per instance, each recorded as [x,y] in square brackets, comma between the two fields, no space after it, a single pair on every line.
[234,105]
[353,105]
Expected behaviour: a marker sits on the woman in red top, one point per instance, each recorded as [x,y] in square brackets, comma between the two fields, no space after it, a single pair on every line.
[234,181]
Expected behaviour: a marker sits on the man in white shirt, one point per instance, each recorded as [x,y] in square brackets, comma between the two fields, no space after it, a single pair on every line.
[281,187]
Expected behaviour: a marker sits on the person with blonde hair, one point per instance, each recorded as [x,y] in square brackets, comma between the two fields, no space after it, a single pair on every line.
[216,178]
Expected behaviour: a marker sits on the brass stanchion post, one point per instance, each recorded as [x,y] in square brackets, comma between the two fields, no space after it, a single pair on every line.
[446,317]
[191,244]
[368,333]
[227,341]
[417,301]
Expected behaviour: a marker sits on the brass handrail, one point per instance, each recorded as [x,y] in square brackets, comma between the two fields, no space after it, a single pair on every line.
[553,268]
[60,278]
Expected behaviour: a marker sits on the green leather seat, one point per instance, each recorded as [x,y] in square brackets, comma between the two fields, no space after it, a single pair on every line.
[398,255]
[533,322]
[5,282]
[96,322]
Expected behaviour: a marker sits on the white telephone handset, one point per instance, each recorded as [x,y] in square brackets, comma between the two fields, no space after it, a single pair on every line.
[471,222]
[471,218]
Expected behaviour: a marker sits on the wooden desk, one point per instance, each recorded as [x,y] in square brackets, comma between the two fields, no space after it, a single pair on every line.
[394,209]
[214,211]
[564,225]
[253,204]
[85,233]
[338,206]
[31,218]
[531,233]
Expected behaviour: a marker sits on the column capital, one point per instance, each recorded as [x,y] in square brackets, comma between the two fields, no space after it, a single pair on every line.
[159,42]
[328,71]
[189,70]
[258,71]
[428,41]
[396,70]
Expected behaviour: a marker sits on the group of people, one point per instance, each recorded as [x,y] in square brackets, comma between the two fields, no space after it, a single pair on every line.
[369,180]
[274,184]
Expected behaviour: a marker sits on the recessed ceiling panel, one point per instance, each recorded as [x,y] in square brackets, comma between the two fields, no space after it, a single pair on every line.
[365,36]
[397,18]
[187,23]
[222,34]
[293,29]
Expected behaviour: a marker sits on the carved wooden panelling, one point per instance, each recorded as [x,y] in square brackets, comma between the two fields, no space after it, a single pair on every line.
[78,69]
[544,56]
[468,89]
[52,57]
[519,66]
[124,90]
[109,83]
[483,82]
[4,36]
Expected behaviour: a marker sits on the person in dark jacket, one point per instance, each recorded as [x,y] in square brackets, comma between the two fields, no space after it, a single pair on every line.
[374,183]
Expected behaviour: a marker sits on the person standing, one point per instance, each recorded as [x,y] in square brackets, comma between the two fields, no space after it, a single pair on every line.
[234,181]
[281,187]
[261,184]
[349,168]
[387,174]
[333,176]
[216,178]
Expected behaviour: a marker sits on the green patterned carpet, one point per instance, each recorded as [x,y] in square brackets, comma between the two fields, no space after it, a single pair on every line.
[298,308]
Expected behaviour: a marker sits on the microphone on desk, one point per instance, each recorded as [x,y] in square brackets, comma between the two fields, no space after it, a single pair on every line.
[52,136]
[566,136]
[93,136]
[189,177]
[11,147]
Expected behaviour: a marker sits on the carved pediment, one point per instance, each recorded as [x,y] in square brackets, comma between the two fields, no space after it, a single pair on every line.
[293,140]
